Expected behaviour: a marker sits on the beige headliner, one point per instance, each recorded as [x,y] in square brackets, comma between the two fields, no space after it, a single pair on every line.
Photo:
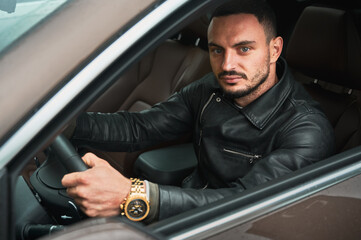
[32,68]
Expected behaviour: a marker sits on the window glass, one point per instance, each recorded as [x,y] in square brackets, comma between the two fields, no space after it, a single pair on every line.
[19,16]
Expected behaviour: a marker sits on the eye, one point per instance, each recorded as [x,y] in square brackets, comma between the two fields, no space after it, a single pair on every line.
[217,51]
[245,49]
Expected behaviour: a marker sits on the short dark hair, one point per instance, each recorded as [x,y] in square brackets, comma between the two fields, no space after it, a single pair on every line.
[259,8]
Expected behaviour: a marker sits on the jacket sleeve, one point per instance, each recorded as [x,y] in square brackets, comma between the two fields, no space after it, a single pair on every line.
[127,132]
[308,139]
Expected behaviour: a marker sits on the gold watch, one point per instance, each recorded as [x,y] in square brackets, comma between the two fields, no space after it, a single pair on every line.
[136,206]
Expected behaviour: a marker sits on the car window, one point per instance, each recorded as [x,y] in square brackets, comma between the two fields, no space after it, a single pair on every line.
[18,17]
[66,38]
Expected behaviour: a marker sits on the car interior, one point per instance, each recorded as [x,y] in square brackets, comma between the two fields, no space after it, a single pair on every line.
[322,47]
[323,52]
[158,76]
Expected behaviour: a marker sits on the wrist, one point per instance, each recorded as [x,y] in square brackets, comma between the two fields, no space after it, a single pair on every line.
[122,202]
[147,190]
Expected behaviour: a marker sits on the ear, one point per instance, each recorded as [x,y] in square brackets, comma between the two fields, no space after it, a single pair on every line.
[276,46]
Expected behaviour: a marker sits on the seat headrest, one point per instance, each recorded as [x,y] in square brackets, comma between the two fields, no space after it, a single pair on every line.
[196,33]
[200,26]
[325,45]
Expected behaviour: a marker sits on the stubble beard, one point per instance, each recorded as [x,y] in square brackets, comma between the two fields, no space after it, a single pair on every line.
[259,78]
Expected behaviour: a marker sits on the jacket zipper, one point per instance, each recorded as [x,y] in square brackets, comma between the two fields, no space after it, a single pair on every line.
[200,118]
[201,130]
[250,156]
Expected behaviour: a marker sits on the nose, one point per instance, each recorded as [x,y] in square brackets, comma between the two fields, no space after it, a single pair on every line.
[229,61]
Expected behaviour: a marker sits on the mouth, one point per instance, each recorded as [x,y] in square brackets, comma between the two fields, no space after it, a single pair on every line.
[231,79]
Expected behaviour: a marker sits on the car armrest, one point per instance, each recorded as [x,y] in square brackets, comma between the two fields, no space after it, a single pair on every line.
[168,166]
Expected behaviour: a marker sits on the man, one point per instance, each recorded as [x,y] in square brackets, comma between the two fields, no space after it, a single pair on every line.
[251,123]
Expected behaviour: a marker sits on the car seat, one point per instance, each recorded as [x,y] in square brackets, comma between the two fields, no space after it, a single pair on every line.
[324,52]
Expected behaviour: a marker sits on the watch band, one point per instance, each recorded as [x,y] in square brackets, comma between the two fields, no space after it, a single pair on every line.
[137,186]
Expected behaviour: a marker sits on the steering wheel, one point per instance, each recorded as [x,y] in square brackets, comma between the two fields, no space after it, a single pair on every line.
[46,181]
[67,154]
[61,158]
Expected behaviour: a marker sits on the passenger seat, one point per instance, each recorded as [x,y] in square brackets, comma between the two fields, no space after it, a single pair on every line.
[325,53]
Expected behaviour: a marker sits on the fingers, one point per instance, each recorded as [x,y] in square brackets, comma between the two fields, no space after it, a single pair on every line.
[73,179]
[92,160]
[76,178]
[99,190]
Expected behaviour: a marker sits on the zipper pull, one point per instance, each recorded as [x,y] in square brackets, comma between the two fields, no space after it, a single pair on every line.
[254,158]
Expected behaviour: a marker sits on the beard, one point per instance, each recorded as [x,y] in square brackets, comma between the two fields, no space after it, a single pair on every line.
[245,92]
[258,79]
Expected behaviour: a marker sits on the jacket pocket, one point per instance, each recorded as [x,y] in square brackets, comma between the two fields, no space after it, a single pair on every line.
[251,158]
[235,163]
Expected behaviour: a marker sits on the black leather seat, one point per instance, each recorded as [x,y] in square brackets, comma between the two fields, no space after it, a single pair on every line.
[325,53]
[168,166]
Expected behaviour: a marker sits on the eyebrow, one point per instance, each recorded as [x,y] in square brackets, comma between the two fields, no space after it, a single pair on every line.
[241,43]
[211,44]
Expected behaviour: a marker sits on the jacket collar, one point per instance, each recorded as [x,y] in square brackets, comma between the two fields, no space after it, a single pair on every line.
[260,111]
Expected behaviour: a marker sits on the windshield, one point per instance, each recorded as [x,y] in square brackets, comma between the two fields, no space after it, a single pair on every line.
[19,16]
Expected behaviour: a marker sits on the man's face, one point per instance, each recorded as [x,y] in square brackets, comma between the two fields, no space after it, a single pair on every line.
[239,53]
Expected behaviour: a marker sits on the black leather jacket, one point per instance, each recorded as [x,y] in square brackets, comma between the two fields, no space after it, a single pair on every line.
[237,148]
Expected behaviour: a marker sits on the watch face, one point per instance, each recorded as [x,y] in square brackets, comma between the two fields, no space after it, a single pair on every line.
[137,209]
